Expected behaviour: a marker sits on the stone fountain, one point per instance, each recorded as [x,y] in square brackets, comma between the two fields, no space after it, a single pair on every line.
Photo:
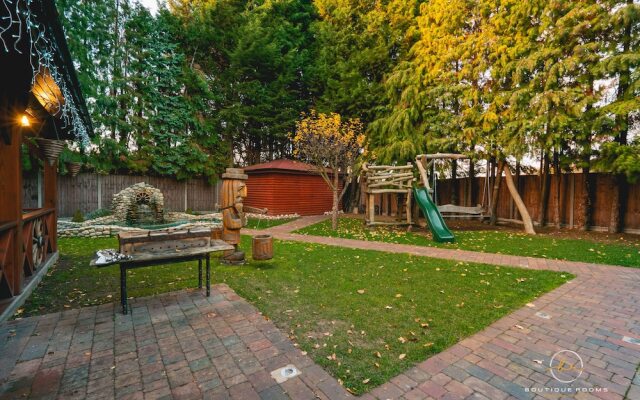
[139,204]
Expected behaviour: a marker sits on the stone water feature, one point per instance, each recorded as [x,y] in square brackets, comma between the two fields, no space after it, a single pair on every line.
[139,204]
[141,207]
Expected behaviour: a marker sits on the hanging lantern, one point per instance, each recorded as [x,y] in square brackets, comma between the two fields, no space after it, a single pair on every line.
[74,168]
[51,149]
[47,92]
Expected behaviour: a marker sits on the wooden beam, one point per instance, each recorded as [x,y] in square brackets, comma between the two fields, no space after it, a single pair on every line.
[51,199]
[11,201]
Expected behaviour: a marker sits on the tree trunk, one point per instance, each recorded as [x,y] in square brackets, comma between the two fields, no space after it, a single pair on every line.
[544,191]
[619,192]
[586,199]
[526,218]
[336,199]
[471,192]
[618,203]
[517,183]
[557,187]
[496,191]
[454,182]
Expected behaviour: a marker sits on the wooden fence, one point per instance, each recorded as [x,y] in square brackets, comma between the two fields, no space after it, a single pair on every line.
[89,192]
[572,189]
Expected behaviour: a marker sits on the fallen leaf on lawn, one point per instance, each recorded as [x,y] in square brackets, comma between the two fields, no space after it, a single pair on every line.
[388,307]
[398,295]
[424,325]
[332,357]
[460,305]
[428,344]
[361,291]
[377,354]
[377,365]
[349,351]
[402,340]
[442,291]
[402,356]
[366,381]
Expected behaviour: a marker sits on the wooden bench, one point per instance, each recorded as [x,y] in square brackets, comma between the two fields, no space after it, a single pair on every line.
[149,248]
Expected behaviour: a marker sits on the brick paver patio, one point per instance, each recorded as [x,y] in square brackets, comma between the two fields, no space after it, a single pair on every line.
[181,345]
[592,315]
[184,345]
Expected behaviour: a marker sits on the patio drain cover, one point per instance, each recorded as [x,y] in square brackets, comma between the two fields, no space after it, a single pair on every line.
[631,340]
[285,373]
[543,315]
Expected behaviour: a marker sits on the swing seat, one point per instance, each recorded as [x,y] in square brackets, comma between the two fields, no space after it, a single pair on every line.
[453,211]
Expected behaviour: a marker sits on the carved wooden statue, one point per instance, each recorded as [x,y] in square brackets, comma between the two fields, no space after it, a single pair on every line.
[234,190]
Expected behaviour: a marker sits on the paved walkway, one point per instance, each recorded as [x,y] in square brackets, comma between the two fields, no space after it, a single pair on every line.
[597,315]
[183,345]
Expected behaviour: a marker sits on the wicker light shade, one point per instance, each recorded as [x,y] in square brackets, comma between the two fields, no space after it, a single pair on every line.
[47,92]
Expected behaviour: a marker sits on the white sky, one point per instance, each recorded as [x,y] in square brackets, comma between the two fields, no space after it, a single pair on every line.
[150,4]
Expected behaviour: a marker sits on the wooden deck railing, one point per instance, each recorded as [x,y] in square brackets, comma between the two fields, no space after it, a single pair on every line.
[38,242]
[38,238]
[7,262]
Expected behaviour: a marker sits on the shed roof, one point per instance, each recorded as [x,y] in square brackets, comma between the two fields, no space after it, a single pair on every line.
[282,165]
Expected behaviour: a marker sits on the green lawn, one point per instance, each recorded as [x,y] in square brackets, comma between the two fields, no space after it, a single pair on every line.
[365,316]
[257,223]
[621,252]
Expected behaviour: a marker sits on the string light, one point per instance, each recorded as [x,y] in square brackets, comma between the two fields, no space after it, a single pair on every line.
[42,60]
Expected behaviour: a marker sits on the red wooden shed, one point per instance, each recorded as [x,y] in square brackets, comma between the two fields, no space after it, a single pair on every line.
[287,187]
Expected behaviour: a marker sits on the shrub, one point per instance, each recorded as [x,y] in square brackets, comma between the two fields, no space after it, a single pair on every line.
[100,212]
[77,216]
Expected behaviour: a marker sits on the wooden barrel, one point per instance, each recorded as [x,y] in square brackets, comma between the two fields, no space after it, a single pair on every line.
[262,247]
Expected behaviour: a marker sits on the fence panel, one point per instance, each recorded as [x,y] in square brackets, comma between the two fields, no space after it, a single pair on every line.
[572,191]
[88,192]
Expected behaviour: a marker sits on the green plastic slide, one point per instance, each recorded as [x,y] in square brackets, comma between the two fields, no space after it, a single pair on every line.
[439,229]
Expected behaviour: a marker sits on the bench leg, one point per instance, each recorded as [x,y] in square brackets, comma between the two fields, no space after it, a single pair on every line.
[123,288]
[200,273]
[208,276]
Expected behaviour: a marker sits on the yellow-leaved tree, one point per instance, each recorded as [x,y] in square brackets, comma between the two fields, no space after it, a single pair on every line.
[332,146]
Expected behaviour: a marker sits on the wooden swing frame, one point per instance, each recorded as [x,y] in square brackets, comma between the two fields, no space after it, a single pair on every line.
[424,162]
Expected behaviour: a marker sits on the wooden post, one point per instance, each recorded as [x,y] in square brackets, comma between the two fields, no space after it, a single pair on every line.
[372,208]
[99,184]
[11,200]
[51,199]
[186,196]
[526,218]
